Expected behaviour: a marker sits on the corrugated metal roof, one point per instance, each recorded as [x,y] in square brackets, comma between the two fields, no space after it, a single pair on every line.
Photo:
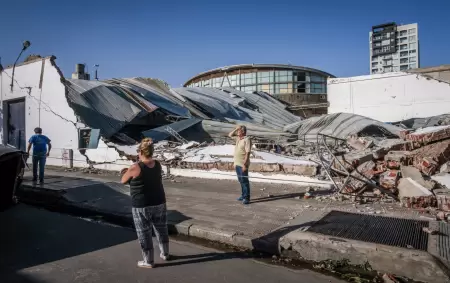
[340,125]
[102,106]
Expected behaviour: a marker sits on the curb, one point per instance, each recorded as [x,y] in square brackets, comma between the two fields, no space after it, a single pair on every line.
[411,263]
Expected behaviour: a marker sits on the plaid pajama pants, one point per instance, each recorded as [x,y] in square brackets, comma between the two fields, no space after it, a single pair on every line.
[145,219]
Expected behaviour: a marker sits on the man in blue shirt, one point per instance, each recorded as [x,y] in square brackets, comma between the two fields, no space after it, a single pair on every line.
[40,153]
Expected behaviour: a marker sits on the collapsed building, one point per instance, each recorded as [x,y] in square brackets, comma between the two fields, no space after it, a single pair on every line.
[98,124]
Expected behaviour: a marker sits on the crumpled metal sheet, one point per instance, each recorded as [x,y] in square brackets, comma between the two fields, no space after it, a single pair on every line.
[341,126]
[153,95]
[102,106]
[417,123]
[160,133]
[216,105]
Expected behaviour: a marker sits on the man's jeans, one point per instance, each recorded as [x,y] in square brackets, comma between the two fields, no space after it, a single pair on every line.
[39,159]
[245,183]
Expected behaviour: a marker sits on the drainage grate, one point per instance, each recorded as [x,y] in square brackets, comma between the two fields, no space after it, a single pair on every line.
[444,240]
[397,232]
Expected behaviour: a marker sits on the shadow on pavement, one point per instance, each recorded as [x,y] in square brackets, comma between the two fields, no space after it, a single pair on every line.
[31,237]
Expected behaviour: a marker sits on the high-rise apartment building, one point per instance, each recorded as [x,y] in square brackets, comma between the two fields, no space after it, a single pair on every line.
[394,48]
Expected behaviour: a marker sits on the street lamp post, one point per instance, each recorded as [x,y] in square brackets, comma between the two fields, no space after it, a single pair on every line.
[26,44]
[96,73]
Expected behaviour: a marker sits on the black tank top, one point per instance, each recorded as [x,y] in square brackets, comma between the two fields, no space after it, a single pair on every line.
[147,189]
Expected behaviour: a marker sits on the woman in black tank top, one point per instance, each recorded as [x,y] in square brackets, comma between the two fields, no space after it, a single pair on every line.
[148,203]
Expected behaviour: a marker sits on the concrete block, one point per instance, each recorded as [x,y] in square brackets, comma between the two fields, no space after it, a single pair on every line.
[414,173]
[418,265]
[303,170]
[407,187]
[211,234]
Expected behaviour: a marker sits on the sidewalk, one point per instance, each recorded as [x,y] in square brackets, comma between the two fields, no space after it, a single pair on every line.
[276,221]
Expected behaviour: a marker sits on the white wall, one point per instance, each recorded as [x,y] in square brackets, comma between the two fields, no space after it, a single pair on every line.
[389,97]
[47,108]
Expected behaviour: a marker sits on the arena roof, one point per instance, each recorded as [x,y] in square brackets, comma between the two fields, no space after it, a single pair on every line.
[258,66]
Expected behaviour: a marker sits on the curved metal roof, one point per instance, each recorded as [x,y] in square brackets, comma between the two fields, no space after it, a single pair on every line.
[260,66]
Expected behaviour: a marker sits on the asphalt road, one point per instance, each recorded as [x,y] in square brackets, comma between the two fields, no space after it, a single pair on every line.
[38,246]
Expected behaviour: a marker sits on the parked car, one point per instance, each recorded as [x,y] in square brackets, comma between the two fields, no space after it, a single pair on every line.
[12,165]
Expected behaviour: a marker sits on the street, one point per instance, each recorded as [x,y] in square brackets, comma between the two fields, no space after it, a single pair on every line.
[38,246]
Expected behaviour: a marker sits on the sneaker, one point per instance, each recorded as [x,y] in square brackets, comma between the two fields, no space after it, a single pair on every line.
[144,264]
[164,257]
[41,182]
[240,199]
[245,201]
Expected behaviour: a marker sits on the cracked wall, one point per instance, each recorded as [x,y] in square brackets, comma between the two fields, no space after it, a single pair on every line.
[39,82]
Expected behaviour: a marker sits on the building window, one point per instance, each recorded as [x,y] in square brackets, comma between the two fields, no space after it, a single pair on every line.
[283,76]
[404,54]
[403,32]
[412,59]
[317,88]
[300,76]
[403,67]
[300,88]
[412,38]
[248,79]
[403,39]
[374,71]
[412,66]
[412,45]
[265,77]
[374,64]
[234,80]
[317,78]
[412,31]
[412,52]
[206,83]
[403,46]
[403,60]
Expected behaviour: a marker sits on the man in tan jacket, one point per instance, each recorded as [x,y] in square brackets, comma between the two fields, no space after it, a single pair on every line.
[242,151]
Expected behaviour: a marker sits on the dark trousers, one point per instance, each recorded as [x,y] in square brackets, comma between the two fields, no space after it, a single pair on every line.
[39,160]
[245,183]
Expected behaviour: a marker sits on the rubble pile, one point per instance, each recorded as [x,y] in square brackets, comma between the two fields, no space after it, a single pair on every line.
[413,170]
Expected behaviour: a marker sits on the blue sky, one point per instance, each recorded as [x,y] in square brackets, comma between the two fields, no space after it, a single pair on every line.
[175,40]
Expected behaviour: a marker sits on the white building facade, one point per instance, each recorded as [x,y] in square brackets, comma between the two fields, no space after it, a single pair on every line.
[394,48]
[37,98]
[394,96]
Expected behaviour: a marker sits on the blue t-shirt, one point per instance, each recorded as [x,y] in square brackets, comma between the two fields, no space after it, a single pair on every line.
[39,143]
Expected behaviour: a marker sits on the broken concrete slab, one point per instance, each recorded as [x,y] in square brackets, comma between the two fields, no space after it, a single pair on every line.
[414,173]
[429,134]
[428,158]
[407,187]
